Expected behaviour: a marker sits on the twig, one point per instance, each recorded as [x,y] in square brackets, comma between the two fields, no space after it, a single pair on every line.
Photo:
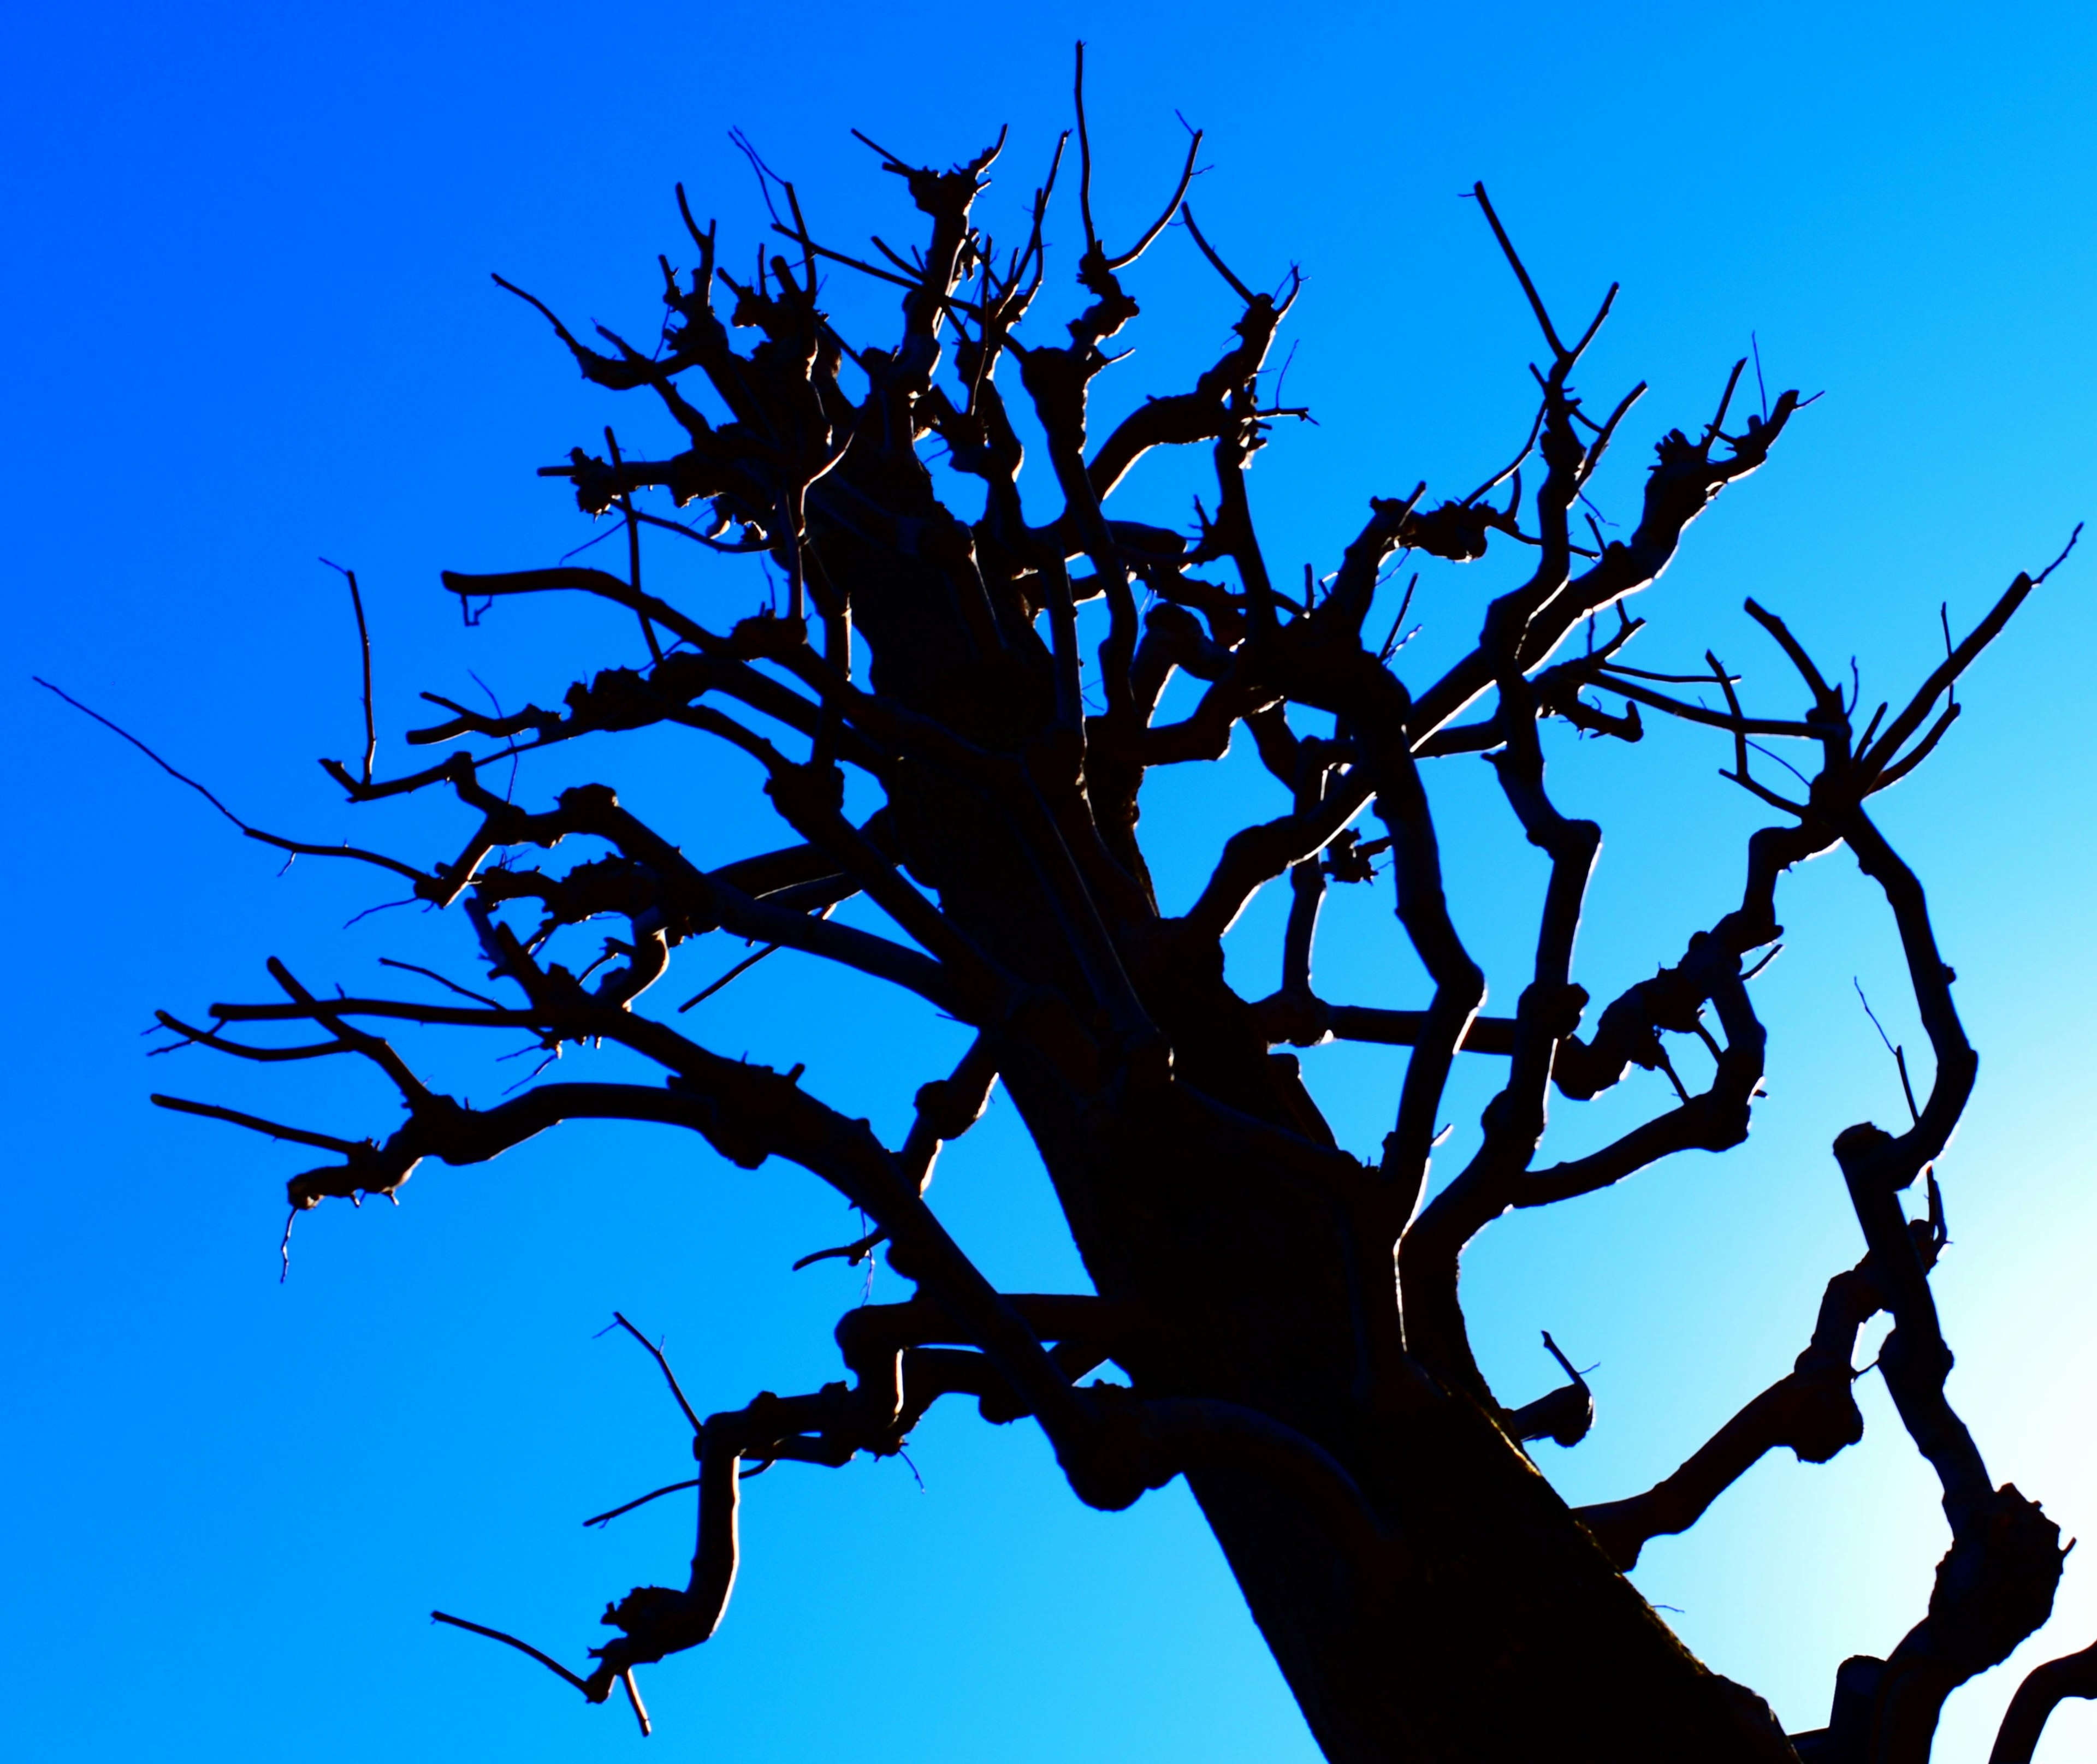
[626,506]
[296,847]
[633,1697]
[741,967]
[1514,259]
[1391,644]
[510,790]
[410,967]
[1775,950]
[603,1519]
[180,777]
[853,1253]
[2061,558]
[1899,1054]
[547,1661]
[1221,269]
[211,1111]
[511,1090]
[677,1390]
[1085,152]
[364,644]
[1572,1372]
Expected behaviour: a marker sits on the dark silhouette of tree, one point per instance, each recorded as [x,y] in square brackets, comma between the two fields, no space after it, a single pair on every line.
[1427,1594]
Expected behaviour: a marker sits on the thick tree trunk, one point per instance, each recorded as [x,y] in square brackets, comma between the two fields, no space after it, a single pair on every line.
[1514,1639]
[1511,1637]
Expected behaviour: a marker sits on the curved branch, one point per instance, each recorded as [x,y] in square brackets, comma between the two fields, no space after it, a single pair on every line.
[1256,856]
[2044,1689]
[1811,1409]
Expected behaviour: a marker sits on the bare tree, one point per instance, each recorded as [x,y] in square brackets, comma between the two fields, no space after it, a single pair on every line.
[1427,1594]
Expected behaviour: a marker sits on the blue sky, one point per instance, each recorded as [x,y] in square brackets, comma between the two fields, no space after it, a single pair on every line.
[247,288]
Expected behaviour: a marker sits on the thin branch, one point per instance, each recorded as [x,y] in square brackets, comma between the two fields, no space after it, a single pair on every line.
[364,645]
[603,1519]
[547,1661]
[296,847]
[1084,153]
[676,1389]
[1521,275]
[633,1698]
[1899,1054]
[854,1253]
[431,973]
[180,777]
[741,967]
[1164,220]
[211,1111]
[1208,250]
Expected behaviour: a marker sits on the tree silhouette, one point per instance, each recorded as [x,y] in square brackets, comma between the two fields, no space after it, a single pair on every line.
[1287,1316]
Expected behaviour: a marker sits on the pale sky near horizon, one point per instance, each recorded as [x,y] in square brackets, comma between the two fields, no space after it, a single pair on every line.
[247,284]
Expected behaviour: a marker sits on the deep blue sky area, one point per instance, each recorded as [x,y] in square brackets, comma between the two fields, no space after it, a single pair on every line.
[245,285]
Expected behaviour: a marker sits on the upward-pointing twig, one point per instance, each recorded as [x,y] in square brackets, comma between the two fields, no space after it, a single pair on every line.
[1521,274]
[1899,1054]
[364,645]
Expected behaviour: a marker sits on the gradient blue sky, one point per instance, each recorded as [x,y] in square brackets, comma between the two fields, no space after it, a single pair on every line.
[246,284]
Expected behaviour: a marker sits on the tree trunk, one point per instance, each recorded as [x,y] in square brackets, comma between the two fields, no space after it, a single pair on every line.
[1513,1636]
